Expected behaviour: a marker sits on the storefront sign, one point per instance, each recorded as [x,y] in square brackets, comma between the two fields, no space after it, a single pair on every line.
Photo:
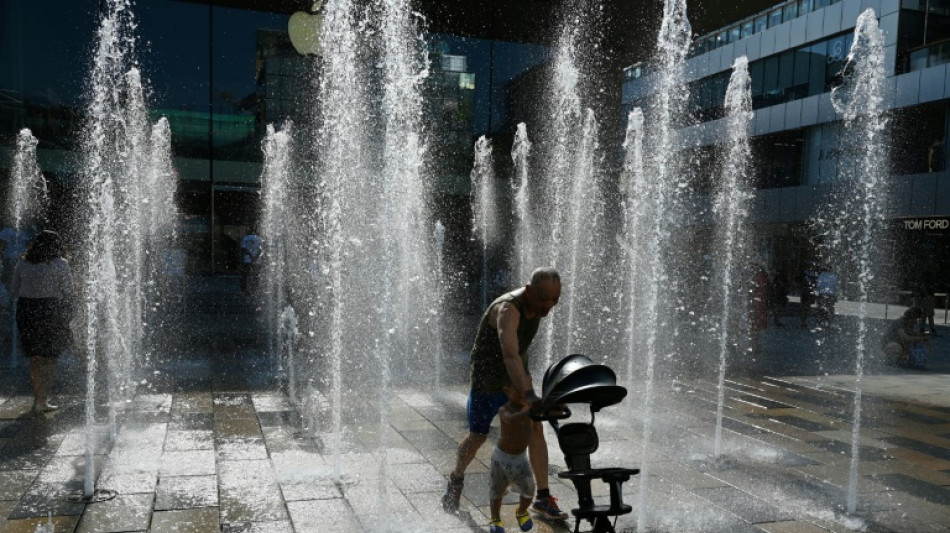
[927,224]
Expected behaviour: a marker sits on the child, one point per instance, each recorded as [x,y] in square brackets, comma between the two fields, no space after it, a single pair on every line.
[509,461]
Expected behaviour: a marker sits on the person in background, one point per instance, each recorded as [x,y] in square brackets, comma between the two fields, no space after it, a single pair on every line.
[42,284]
[827,286]
[902,345]
[807,290]
[758,307]
[778,296]
[923,292]
[252,248]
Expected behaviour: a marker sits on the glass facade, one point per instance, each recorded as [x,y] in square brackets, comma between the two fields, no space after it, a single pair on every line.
[791,75]
[924,34]
[221,75]
[760,22]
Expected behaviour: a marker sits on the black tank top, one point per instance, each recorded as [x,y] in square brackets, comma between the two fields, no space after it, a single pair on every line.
[488,365]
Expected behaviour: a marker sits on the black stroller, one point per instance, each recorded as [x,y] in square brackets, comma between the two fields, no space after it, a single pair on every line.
[573,380]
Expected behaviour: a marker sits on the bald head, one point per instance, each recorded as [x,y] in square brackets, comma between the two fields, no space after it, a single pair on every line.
[544,274]
[542,292]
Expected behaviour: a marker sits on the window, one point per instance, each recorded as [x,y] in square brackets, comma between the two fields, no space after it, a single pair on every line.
[805,7]
[761,23]
[775,17]
[786,72]
[734,34]
[790,12]
[818,53]
[746,29]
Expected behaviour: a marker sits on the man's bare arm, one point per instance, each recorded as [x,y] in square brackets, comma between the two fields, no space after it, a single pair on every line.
[507,326]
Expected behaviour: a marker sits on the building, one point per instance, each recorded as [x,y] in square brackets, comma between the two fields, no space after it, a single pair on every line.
[796,53]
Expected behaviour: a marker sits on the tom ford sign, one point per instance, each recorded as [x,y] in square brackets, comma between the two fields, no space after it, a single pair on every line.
[926,224]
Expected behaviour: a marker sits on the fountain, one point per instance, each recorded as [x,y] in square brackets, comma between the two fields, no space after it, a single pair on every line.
[121,164]
[732,208]
[28,201]
[439,235]
[859,216]
[664,195]
[274,224]
[526,227]
[287,333]
[636,220]
[380,263]
[484,211]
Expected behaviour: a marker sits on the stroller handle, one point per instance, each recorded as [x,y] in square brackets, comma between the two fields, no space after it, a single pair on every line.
[565,412]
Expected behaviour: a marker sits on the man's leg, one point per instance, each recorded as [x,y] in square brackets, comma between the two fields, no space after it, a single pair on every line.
[481,409]
[538,455]
[467,450]
[545,504]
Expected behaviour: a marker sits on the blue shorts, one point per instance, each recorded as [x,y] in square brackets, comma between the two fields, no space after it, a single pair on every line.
[482,408]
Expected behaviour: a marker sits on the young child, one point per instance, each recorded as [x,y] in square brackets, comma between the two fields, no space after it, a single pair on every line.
[509,461]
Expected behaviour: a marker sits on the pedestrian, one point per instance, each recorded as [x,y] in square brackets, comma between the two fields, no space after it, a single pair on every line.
[827,294]
[923,294]
[758,307]
[501,346]
[43,287]
[778,296]
[902,345]
[807,290]
[252,248]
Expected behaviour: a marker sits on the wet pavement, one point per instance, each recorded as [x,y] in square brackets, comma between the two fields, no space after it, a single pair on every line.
[217,446]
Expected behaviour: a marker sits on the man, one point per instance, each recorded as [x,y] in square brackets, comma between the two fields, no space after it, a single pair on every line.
[252,247]
[501,346]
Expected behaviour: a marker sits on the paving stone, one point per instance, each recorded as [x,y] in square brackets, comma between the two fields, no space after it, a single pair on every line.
[801,423]
[6,506]
[271,402]
[313,516]
[271,419]
[202,520]
[760,401]
[42,500]
[16,407]
[179,440]
[311,490]
[131,512]
[237,428]
[192,421]
[240,449]
[865,453]
[190,463]
[193,403]
[921,447]
[743,504]
[10,429]
[61,524]
[921,489]
[249,492]
[257,527]
[186,492]
[15,483]
[130,483]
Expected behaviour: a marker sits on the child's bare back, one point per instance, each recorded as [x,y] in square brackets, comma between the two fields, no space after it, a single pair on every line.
[516,428]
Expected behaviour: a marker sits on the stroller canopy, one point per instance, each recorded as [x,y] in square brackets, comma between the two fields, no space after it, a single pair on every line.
[577,379]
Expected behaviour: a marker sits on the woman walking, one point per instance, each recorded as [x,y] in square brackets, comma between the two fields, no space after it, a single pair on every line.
[43,284]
